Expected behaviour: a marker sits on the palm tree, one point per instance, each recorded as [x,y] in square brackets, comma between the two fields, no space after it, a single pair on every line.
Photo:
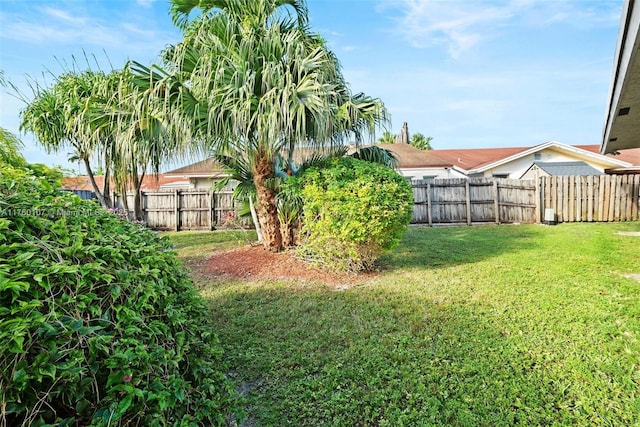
[123,111]
[249,78]
[238,170]
[420,141]
[386,138]
[56,116]
[10,147]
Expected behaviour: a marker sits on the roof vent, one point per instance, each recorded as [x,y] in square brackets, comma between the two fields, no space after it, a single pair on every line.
[624,111]
[613,139]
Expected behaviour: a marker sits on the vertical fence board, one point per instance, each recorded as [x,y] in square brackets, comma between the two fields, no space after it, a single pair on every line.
[635,196]
[593,198]
[443,201]
[571,201]
[429,204]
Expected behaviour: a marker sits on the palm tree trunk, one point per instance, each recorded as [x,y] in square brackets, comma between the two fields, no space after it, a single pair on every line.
[254,217]
[266,205]
[288,234]
[106,187]
[92,179]
[137,208]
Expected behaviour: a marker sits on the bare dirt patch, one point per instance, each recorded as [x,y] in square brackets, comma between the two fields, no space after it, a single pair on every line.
[632,276]
[256,263]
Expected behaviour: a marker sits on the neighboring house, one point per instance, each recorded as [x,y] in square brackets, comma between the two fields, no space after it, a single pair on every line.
[81,184]
[418,164]
[622,123]
[199,175]
[539,169]
[517,162]
[549,158]
[631,156]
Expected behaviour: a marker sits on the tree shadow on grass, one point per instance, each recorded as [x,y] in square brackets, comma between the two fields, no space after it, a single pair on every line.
[371,357]
[448,246]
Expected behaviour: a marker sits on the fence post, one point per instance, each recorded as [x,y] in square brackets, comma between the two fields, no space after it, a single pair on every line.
[177,209]
[496,202]
[540,202]
[635,194]
[212,209]
[429,216]
[468,200]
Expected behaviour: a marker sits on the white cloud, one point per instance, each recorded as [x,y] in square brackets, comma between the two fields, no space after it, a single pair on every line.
[63,15]
[77,29]
[459,26]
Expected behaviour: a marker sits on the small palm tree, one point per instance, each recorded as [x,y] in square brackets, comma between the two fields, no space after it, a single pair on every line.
[421,142]
[10,147]
[387,138]
[237,169]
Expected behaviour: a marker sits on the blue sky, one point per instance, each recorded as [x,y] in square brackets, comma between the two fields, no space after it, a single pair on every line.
[469,73]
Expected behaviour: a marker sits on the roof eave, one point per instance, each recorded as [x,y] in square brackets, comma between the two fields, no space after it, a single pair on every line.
[620,131]
[550,144]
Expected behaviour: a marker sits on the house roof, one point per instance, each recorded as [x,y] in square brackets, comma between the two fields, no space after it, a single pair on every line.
[474,158]
[409,156]
[567,168]
[481,159]
[210,168]
[149,182]
[622,123]
[631,155]
[205,168]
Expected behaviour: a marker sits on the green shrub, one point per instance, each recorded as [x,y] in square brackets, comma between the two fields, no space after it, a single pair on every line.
[353,211]
[99,324]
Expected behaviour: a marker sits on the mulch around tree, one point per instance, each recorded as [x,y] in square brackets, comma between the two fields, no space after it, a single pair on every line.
[256,263]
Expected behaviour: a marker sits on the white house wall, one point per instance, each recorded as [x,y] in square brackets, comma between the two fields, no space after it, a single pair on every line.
[518,167]
[438,173]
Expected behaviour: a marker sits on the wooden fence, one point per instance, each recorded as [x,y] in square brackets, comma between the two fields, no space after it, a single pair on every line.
[439,202]
[188,209]
[475,200]
[592,198]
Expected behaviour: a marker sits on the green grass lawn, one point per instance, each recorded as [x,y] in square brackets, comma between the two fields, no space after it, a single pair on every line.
[467,326]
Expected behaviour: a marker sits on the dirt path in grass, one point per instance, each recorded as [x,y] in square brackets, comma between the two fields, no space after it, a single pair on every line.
[256,263]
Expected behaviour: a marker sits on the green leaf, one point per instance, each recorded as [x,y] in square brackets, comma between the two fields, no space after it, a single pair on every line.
[16,344]
[124,404]
[20,376]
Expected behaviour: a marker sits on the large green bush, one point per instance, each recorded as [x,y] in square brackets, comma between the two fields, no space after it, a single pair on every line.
[353,211]
[99,324]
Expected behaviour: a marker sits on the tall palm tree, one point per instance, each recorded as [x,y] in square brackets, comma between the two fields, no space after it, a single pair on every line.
[123,111]
[56,116]
[251,78]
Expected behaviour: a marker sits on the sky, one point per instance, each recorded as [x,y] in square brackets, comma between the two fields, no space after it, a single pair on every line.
[468,73]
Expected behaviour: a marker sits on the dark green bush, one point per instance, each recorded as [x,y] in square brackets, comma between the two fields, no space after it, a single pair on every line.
[353,211]
[99,324]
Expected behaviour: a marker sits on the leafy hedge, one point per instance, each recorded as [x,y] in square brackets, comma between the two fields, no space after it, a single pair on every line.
[353,211]
[99,324]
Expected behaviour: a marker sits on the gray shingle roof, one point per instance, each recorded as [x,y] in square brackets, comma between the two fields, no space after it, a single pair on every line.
[567,168]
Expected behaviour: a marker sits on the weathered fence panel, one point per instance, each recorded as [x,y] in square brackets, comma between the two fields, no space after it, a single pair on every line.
[186,209]
[438,202]
[592,198]
[475,200]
